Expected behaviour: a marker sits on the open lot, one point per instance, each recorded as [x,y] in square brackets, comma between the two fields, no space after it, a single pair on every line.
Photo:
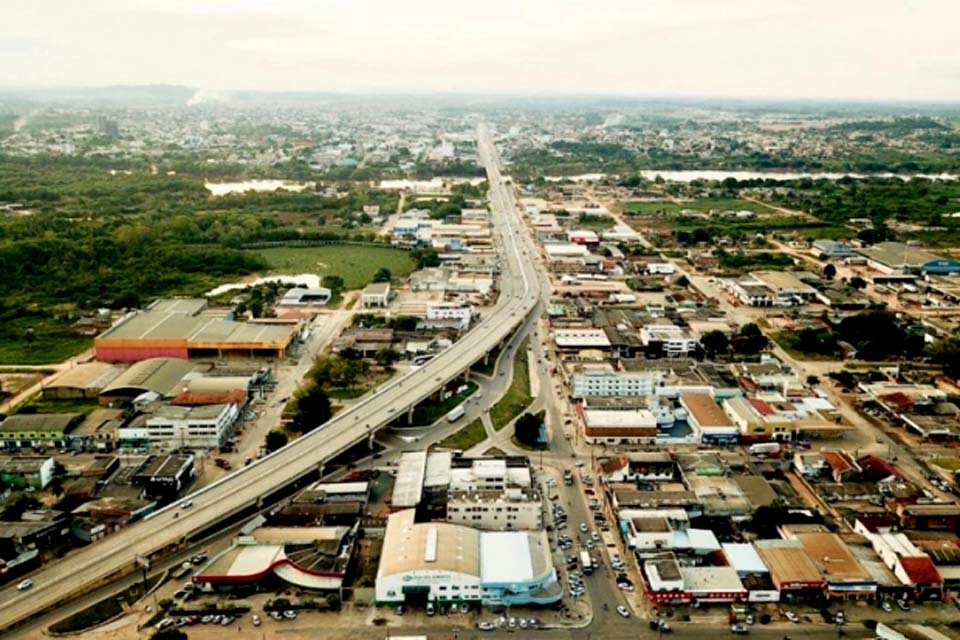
[356,264]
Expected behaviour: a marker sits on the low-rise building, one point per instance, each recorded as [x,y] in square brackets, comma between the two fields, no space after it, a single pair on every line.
[619,427]
[511,509]
[603,381]
[706,416]
[164,477]
[38,430]
[27,471]
[166,426]
[375,294]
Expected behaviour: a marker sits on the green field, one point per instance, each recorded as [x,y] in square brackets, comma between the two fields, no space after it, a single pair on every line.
[356,264]
[704,205]
[470,435]
[950,464]
[53,341]
[517,398]
[427,412]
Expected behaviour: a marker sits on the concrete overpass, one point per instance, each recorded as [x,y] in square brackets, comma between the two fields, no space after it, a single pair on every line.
[255,484]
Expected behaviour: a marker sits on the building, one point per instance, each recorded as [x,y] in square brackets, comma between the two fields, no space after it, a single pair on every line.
[603,381]
[706,416]
[575,339]
[303,297]
[164,477]
[443,562]
[375,294]
[891,257]
[27,471]
[784,287]
[84,381]
[463,313]
[909,564]
[167,426]
[668,341]
[629,426]
[756,420]
[164,330]
[666,581]
[792,571]
[824,249]
[160,377]
[844,575]
[39,430]
[753,573]
[310,558]
[511,509]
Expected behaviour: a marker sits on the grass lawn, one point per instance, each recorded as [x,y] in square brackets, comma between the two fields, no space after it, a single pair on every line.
[429,412]
[517,398]
[355,264]
[786,341]
[52,341]
[704,204]
[595,223]
[950,464]
[470,435]
[37,404]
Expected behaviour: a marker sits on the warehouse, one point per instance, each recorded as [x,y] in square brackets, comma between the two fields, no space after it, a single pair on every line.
[37,430]
[157,333]
[707,418]
[890,257]
[160,376]
[84,381]
[792,571]
[441,562]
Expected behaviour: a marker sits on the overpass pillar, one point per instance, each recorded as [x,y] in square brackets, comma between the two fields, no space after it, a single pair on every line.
[486,358]
[410,415]
[370,440]
[320,468]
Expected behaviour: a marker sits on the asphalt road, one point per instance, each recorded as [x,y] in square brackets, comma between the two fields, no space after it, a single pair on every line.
[90,566]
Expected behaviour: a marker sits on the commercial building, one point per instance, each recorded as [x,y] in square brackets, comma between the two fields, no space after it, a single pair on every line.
[311,558]
[845,576]
[84,381]
[909,564]
[164,330]
[304,297]
[166,426]
[753,573]
[756,420]
[791,569]
[669,341]
[629,426]
[890,257]
[375,294]
[784,286]
[443,562]
[463,313]
[570,339]
[666,581]
[706,416]
[511,509]
[164,477]
[603,381]
[27,471]
[38,430]
[158,376]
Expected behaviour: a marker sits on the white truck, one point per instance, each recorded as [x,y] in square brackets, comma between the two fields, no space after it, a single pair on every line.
[765,449]
[456,413]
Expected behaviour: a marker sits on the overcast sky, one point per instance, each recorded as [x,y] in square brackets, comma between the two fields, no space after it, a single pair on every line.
[896,49]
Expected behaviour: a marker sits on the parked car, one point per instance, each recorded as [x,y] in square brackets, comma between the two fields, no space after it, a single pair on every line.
[290,615]
[739,628]
[622,610]
[431,609]
[483,625]
[791,616]
[903,605]
[256,620]
[24,585]
[886,606]
[276,615]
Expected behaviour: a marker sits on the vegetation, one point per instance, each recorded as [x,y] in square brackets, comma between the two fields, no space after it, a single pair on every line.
[275,440]
[312,409]
[429,412]
[517,397]
[527,429]
[876,335]
[170,633]
[471,435]
[946,353]
[754,260]
[357,266]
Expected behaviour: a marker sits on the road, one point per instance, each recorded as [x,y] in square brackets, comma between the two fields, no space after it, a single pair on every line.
[115,555]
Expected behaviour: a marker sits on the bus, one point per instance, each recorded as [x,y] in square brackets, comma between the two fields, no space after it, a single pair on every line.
[585,562]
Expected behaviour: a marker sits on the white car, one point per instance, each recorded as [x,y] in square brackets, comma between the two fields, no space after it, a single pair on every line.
[26,584]
[791,616]
[622,610]
[486,626]
[256,620]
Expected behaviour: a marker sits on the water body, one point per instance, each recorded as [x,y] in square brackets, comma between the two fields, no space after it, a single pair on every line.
[224,188]
[689,175]
[310,280]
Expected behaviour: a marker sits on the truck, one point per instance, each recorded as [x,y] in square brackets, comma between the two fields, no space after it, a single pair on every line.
[456,413]
[769,449]
[585,562]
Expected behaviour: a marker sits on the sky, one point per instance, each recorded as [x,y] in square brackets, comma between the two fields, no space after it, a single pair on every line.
[861,49]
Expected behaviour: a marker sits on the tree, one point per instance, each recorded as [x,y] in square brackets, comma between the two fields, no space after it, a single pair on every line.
[382,275]
[313,409]
[812,381]
[527,429]
[714,342]
[946,353]
[333,282]
[857,282]
[275,440]
[829,272]
[256,308]
[170,633]
[749,340]
[683,281]
[386,357]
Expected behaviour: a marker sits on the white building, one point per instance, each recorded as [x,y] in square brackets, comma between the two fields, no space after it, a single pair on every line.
[581,339]
[628,426]
[512,509]
[170,427]
[604,381]
[450,311]
[489,474]
[443,562]
[376,294]
[673,341]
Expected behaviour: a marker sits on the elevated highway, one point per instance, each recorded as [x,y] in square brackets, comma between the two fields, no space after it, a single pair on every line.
[173,526]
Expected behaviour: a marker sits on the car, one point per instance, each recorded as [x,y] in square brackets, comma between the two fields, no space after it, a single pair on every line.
[512,622]
[483,625]
[739,628]
[276,615]
[749,619]
[594,536]
[290,615]
[255,620]
[903,605]
[206,619]
[399,610]
[791,616]
[163,624]
[622,610]
[522,623]
[583,527]
[886,606]
[180,595]
[226,620]
[464,607]
[840,618]
[216,619]
[186,504]
[24,585]
[431,609]
[625,587]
